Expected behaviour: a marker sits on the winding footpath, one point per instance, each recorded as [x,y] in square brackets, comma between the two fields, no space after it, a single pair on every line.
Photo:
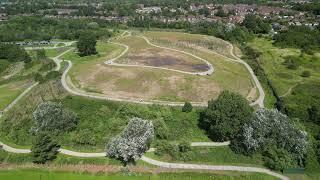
[160,163]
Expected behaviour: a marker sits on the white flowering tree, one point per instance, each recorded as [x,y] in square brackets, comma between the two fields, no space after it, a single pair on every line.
[269,128]
[133,141]
[52,117]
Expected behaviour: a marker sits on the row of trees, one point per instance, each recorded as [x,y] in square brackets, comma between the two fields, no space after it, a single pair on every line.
[13,53]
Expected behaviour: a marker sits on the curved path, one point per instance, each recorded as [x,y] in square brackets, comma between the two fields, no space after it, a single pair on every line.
[111,61]
[159,163]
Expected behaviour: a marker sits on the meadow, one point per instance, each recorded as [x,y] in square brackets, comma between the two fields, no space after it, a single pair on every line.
[34,174]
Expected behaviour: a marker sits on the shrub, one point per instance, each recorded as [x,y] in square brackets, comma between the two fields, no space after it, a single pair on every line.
[38,78]
[164,147]
[44,149]
[184,146]
[134,140]
[187,107]
[51,116]
[160,128]
[53,75]
[225,116]
[278,159]
[84,137]
[306,74]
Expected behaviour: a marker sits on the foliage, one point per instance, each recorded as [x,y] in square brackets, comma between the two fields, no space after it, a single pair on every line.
[87,44]
[41,54]
[38,78]
[306,74]
[278,159]
[187,107]
[134,140]
[225,116]
[179,151]
[84,137]
[44,149]
[160,128]
[53,75]
[269,128]
[299,37]
[13,53]
[51,116]
[255,24]
[4,64]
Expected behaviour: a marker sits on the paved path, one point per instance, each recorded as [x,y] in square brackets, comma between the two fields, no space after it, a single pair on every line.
[158,163]
[211,167]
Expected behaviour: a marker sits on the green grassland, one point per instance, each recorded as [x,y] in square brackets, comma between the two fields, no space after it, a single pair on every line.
[35,174]
[273,59]
[213,155]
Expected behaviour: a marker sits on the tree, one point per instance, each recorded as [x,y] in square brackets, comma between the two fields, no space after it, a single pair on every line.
[314,114]
[41,54]
[44,149]
[269,128]
[134,140]
[225,116]
[87,44]
[278,159]
[160,128]
[187,107]
[51,116]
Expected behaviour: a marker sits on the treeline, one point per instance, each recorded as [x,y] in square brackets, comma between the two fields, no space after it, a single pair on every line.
[232,33]
[13,53]
[301,37]
[311,7]
[39,28]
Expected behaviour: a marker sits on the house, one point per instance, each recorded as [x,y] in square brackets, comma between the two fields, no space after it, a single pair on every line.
[3,17]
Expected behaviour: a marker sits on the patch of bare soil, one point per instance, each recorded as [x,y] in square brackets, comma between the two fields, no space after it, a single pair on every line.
[166,59]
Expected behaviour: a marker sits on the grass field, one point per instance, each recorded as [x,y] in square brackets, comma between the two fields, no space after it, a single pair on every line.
[273,59]
[34,174]
[214,156]
[91,75]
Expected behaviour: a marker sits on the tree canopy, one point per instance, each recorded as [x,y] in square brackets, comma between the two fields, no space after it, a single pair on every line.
[225,116]
[134,140]
[272,129]
[51,116]
[87,44]
[44,149]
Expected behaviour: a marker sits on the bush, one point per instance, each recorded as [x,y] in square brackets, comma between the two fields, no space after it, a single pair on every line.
[306,74]
[51,116]
[133,142]
[53,75]
[184,146]
[84,137]
[160,128]
[278,159]
[225,116]
[164,147]
[187,107]
[44,149]
[38,78]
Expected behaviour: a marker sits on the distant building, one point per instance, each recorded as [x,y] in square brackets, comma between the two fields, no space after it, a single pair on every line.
[147,10]
[3,17]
